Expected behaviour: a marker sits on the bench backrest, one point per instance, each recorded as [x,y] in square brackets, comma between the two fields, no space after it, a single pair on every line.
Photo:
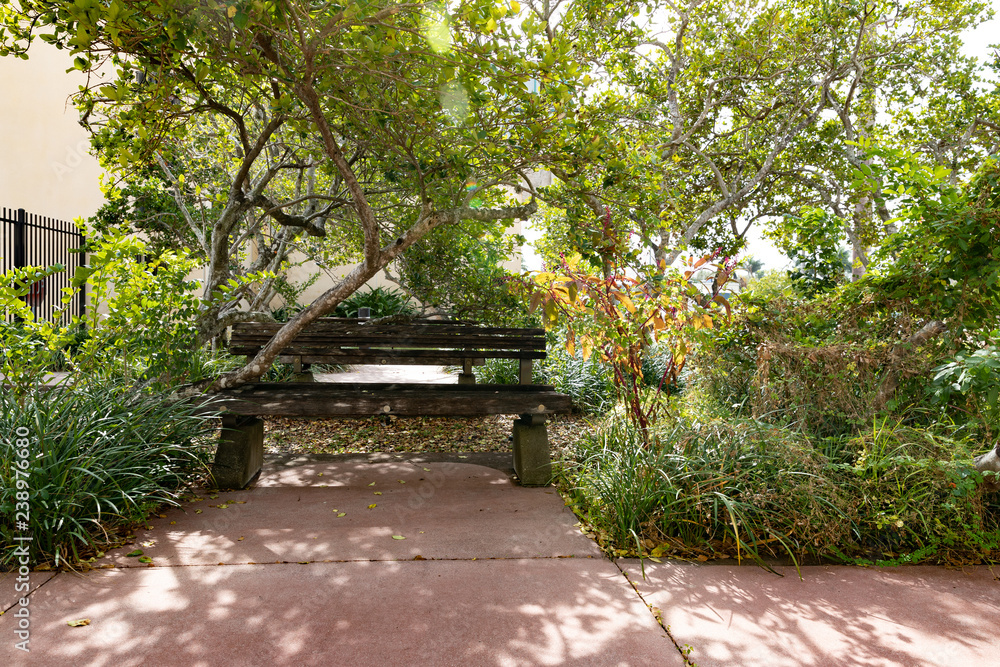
[431,342]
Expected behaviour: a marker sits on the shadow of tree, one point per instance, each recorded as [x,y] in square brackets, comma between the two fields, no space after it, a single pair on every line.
[834,615]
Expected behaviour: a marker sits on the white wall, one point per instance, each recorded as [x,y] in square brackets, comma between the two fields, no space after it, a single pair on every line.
[44,164]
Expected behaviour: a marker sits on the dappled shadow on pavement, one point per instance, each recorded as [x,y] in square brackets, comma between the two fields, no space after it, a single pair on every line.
[912,616]
[492,612]
[301,571]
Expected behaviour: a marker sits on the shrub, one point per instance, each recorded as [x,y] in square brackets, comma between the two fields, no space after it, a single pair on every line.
[742,487]
[726,488]
[383,302]
[100,456]
[588,383]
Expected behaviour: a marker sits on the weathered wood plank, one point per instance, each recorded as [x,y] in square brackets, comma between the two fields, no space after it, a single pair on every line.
[359,400]
[378,361]
[389,341]
[354,328]
[375,355]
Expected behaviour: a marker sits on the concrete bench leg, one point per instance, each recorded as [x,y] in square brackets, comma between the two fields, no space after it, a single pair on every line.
[467,376]
[302,372]
[532,462]
[240,455]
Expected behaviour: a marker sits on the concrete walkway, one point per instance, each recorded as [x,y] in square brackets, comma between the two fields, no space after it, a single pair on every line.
[411,561]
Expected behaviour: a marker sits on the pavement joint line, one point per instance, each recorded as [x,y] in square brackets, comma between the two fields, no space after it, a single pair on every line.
[31,592]
[657,617]
[346,560]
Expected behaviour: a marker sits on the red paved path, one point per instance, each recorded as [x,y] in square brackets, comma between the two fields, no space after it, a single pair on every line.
[505,579]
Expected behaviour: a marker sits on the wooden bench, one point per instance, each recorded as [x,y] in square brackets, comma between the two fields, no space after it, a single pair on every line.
[351,341]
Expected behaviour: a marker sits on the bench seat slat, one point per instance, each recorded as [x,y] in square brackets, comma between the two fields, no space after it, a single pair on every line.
[375,356]
[361,400]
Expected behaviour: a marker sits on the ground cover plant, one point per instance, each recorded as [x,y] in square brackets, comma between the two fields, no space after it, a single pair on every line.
[101,457]
[745,489]
[89,452]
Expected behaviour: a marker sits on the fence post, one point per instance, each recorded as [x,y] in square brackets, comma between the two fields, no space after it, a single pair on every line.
[20,240]
[82,296]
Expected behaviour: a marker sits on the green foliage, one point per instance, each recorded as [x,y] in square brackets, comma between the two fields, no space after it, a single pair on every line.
[812,240]
[916,497]
[942,262]
[970,381]
[148,331]
[143,204]
[100,456]
[504,371]
[290,292]
[741,488]
[383,301]
[588,382]
[459,270]
[27,348]
[737,489]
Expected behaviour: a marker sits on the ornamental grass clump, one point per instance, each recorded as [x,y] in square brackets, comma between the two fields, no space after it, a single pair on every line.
[100,456]
[735,488]
[740,488]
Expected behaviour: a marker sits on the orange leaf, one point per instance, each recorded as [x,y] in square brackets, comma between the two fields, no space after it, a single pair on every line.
[625,301]
[536,299]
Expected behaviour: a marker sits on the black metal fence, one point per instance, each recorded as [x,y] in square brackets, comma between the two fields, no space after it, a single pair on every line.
[31,240]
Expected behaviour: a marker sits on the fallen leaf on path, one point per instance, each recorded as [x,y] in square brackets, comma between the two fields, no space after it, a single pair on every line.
[137,552]
[342,514]
[372,506]
[145,559]
[378,493]
[78,623]
[398,537]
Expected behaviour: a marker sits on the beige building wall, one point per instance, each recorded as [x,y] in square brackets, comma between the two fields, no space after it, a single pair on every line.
[45,166]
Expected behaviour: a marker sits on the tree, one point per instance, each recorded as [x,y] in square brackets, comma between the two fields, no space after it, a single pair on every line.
[732,113]
[360,124]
